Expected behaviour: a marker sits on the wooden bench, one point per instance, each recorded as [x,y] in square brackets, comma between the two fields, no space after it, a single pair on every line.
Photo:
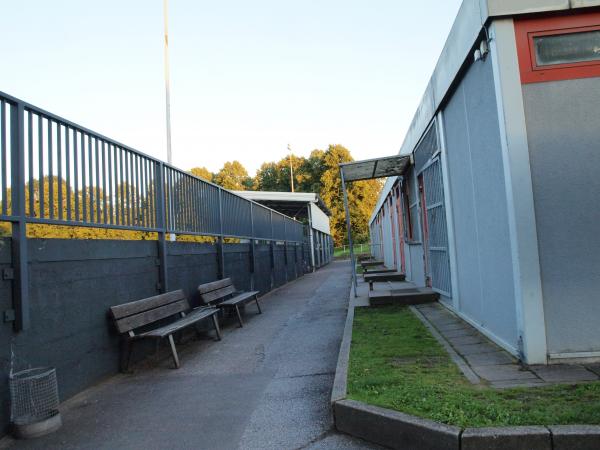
[137,320]
[224,295]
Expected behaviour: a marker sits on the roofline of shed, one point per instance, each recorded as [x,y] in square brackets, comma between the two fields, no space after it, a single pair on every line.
[473,16]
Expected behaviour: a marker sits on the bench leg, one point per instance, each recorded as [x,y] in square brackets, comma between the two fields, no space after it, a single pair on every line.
[174,351]
[217,329]
[257,304]
[239,316]
[126,355]
[370,285]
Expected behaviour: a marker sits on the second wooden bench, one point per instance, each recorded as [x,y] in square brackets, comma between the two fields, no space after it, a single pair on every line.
[224,295]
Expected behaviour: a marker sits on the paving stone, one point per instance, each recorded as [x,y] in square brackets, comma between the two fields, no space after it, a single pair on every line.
[473,349]
[513,438]
[503,372]
[469,339]
[594,368]
[490,359]
[580,437]
[563,373]
[528,383]
[452,327]
[460,332]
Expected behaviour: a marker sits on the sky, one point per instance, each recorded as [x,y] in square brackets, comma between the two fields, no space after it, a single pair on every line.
[247,77]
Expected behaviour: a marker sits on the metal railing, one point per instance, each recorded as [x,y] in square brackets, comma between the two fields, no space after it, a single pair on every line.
[53,171]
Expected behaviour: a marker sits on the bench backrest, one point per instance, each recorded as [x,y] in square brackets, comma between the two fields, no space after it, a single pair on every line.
[215,291]
[130,316]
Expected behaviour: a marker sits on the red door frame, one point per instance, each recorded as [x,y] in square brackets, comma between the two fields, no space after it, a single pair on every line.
[391,206]
[425,228]
[400,229]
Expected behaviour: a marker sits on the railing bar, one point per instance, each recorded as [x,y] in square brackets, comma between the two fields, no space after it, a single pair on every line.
[151,192]
[91,174]
[76,174]
[41,164]
[68,170]
[188,201]
[111,198]
[97,166]
[147,192]
[170,185]
[199,217]
[83,180]
[3,160]
[121,186]
[30,154]
[132,187]
[138,190]
[126,204]
[50,171]
[59,164]
[104,185]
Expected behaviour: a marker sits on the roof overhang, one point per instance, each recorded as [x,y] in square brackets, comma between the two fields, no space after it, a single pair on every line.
[292,204]
[371,169]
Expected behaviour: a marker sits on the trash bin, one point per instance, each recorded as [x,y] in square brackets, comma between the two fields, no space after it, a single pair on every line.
[34,402]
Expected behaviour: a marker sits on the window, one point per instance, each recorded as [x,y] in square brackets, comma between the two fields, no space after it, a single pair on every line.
[559,48]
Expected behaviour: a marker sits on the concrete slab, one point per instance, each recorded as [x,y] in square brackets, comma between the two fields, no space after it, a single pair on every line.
[474,349]
[490,359]
[593,368]
[563,373]
[503,372]
[580,437]
[509,384]
[394,429]
[469,339]
[513,438]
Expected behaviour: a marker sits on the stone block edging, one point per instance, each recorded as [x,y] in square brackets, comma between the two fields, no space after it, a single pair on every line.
[398,430]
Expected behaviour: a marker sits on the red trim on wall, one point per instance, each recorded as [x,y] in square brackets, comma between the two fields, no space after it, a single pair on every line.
[527,29]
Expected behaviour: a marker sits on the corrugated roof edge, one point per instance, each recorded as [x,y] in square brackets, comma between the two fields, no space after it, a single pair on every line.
[469,22]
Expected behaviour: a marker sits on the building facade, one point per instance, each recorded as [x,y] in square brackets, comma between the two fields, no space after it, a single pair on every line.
[499,211]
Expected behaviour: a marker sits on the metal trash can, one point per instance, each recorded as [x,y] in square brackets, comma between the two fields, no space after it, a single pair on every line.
[34,402]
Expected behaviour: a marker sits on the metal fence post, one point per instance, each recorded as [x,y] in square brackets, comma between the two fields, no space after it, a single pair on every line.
[272,251]
[220,249]
[19,227]
[161,223]
[252,252]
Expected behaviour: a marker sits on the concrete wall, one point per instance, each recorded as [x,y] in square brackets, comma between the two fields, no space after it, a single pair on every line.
[479,206]
[74,283]
[562,123]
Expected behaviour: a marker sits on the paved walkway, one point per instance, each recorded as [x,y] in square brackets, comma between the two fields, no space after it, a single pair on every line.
[265,386]
[493,364]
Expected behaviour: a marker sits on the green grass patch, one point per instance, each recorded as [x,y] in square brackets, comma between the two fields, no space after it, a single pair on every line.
[396,363]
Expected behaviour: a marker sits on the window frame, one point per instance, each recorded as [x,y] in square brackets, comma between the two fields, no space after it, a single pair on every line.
[528,29]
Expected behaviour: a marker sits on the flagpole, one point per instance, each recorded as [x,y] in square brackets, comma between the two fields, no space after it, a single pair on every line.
[167,81]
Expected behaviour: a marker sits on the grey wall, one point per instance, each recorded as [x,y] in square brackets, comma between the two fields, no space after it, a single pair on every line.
[479,205]
[563,122]
[73,283]
[5,332]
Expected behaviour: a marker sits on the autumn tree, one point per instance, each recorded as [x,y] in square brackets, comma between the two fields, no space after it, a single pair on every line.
[234,176]
[202,172]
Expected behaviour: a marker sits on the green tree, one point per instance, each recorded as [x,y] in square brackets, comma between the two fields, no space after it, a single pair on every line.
[275,176]
[233,176]
[202,172]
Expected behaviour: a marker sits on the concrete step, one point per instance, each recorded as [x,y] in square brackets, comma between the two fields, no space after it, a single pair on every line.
[375,270]
[383,277]
[411,296]
[371,263]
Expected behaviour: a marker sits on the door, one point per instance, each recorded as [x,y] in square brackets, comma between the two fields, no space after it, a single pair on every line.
[435,231]
[400,220]
[424,228]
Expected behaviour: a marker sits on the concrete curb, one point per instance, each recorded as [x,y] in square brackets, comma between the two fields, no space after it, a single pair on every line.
[398,430]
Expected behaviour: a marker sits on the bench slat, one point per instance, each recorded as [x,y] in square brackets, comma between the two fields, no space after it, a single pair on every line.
[131,308]
[218,294]
[214,285]
[147,317]
[239,298]
[190,319]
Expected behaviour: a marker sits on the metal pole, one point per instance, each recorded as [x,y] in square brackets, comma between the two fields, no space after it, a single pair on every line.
[310,236]
[167,80]
[19,228]
[348,226]
[291,168]
[161,223]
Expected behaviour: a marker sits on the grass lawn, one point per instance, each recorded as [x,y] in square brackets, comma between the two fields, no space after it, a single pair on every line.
[396,363]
